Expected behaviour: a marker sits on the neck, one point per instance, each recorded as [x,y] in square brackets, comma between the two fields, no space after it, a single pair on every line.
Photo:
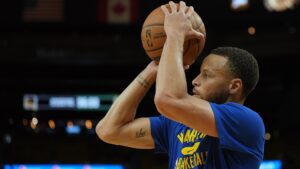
[236,100]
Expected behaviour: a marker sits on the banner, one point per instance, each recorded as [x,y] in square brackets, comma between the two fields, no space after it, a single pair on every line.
[118,11]
[43,11]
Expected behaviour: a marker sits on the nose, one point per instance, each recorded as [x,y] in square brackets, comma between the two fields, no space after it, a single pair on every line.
[196,81]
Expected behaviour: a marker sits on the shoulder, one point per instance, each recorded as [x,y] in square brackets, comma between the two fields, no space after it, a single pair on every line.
[236,110]
[238,115]
[239,128]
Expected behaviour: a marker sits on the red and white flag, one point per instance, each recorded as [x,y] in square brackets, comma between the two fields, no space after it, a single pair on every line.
[118,11]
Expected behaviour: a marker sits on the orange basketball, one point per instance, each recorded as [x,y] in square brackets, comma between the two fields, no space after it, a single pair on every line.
[153,37]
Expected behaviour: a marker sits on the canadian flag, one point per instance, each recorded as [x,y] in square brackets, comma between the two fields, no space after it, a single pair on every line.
[118,11]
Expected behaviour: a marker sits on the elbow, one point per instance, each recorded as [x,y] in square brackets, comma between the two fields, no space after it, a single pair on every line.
[168,105]
[101,133]
[162,103]
[104,133]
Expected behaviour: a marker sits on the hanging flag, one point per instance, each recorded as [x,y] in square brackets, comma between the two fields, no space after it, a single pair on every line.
[118,11]
[43,11]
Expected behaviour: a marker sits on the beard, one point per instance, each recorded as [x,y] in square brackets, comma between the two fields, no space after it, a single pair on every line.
[218,97]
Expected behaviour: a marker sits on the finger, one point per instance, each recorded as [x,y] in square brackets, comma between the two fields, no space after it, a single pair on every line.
[165,10]
[186,67]
[190,11]
[182,6]
[197,34]
[173,6]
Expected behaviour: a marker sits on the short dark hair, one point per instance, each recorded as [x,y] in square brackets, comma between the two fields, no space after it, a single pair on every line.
[242,64]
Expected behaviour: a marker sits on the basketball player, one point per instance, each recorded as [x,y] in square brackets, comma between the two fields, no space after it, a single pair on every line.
[210,129]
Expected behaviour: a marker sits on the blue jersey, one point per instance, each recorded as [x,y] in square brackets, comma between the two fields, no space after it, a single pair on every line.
[240,142]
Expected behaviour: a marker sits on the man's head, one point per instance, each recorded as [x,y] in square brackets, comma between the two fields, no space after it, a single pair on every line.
[226,74]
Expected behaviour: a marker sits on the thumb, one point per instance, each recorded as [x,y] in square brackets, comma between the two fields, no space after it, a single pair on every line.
[197,34]
[193,34]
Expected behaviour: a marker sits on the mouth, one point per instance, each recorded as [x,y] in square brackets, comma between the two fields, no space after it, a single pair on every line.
[195,93]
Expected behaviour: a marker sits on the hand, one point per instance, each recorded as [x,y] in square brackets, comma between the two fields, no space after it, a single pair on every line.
[178,23]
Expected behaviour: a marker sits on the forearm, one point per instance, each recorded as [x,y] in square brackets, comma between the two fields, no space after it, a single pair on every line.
[124,108]
[171,80]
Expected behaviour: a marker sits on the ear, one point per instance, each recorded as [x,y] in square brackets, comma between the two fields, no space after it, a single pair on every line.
[235,86]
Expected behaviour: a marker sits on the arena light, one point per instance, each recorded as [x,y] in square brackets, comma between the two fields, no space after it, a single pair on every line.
[74,129]
[73,102]
[51,124]
[88,124]
[251,30]
[35,121]
[268,136]
[238,5]
[271,164]
[63,166]
[280,5]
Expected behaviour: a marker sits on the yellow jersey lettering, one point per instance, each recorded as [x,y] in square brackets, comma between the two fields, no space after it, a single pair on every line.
[202,158]
[180,137]
[190,136]
[178,163]
[191,161]
[186,162]
[202,135]
[197,159]
[193,135]
[187,136]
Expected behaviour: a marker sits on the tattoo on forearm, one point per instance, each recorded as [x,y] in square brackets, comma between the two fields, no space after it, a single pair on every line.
[140,133]
[143,82]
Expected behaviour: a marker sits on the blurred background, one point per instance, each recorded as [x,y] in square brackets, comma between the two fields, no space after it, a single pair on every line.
[63,62]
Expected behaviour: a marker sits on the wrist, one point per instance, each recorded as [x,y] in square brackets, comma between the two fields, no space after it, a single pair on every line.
[175,43]
[176,37]
[143,81]
[146,80]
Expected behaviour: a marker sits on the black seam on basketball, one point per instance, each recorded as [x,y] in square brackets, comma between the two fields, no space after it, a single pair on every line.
[154,49]
[153,25]
[188,46]
[198,28]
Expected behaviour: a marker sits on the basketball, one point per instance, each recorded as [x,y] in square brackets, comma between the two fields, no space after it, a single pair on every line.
[153,37]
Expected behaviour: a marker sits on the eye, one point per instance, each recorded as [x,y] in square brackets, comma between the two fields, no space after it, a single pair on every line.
[204,75]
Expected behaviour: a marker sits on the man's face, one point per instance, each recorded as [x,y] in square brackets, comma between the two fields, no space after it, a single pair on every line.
[212,84]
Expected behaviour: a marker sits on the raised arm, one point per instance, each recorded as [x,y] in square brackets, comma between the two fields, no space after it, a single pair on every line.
[171,98]
[119,125]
